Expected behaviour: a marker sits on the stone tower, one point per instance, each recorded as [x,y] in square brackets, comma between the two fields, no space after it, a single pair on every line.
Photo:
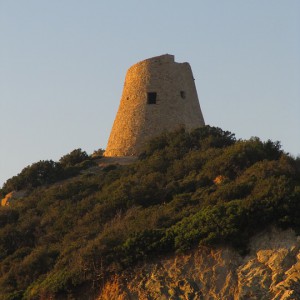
[159,95]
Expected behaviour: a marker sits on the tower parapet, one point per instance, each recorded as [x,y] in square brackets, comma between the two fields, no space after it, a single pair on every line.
[159,95]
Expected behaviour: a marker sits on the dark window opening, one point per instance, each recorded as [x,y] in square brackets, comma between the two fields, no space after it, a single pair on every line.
[182,94]
[151,98]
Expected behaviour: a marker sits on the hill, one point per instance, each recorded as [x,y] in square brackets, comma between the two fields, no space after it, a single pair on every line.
[80,224]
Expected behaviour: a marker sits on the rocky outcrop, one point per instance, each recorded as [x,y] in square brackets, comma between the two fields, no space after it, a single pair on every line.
[271,270]
[12,196]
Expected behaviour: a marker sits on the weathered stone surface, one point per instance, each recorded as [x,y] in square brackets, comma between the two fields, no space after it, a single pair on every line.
[12,196]
[176,104]
[271,271]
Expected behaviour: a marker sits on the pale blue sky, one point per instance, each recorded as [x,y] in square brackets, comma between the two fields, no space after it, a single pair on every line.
[63,64]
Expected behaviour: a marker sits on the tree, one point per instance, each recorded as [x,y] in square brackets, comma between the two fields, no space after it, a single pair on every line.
[73,158]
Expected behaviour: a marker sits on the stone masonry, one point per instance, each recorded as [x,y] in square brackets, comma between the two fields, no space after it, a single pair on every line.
[159,95]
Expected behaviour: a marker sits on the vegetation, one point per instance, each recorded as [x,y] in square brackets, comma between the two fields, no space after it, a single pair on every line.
[186,189]
[48,171]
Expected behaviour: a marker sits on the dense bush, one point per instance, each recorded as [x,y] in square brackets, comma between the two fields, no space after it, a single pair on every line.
[186,189]
[73,158]
[48,171]
[40,173]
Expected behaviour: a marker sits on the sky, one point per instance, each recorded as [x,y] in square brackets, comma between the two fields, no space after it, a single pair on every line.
[63,65]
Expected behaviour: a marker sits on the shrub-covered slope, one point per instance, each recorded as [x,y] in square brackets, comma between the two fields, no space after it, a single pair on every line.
[66,237]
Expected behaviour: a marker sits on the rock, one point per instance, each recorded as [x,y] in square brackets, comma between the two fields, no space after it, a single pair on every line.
[10,197]
[271,271]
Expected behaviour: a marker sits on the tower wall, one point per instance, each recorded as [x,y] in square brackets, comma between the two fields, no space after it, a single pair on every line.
[176,104]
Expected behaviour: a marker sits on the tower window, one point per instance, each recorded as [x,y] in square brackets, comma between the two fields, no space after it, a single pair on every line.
[151,98]
[182,94]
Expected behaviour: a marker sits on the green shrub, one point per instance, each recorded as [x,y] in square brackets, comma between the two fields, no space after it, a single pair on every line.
[187,188]
[73,158]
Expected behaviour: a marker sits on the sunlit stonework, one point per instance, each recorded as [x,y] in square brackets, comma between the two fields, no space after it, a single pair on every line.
[159,95]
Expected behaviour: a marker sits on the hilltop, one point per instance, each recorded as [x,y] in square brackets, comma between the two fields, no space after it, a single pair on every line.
[80,224]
